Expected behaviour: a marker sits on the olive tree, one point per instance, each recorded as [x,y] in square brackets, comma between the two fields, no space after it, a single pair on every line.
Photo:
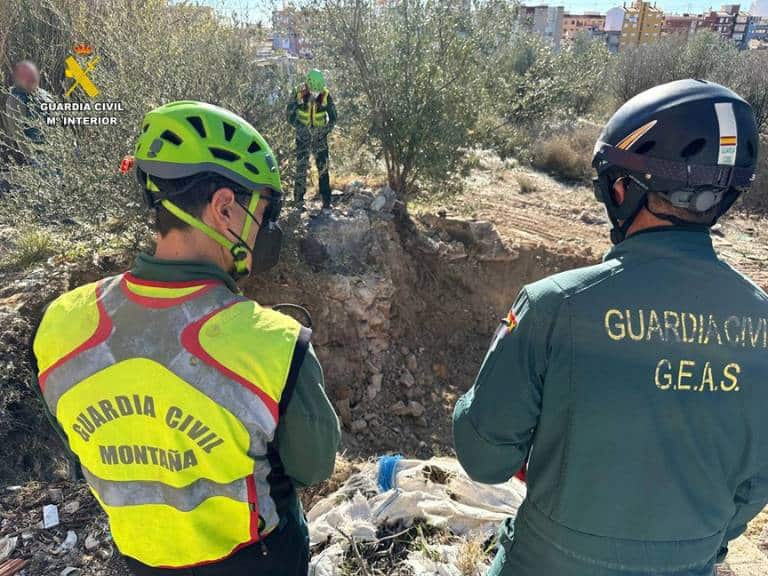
[411,66]
[706,55]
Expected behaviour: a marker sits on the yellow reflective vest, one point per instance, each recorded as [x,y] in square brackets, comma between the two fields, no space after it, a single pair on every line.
[312,112]
[169,394]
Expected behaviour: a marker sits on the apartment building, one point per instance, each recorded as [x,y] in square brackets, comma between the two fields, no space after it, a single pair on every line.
[546,21]
[642,24]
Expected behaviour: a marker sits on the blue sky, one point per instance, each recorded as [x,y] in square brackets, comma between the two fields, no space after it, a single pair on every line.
[261,9]
[669,6]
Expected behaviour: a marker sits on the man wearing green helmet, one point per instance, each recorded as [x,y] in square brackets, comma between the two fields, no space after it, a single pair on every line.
[193,411]
[313,113]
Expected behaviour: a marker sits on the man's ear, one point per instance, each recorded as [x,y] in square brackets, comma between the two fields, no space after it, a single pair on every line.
[221,209]
[619,191]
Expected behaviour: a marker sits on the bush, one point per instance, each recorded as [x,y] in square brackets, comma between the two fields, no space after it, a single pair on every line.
[151,54]
[414,65]
[30,247]
[756,200]
[526,183]
[706,56]
[532,90]
[567,156]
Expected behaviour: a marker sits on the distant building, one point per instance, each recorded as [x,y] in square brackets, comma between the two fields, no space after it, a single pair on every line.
[756,36]
[683,25]
[730,22]
[741,28]
[289,27]
[546,21]
[614,19]
[642,24]
[589,22]
[721,21]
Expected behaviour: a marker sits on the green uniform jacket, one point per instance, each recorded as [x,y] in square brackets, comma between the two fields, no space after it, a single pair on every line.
[639,388]
[308,433]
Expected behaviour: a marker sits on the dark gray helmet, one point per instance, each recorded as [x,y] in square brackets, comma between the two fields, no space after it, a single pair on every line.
[694,142]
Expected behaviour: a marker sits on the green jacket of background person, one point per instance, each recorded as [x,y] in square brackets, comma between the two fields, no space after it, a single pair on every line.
[312,112]
[635,390]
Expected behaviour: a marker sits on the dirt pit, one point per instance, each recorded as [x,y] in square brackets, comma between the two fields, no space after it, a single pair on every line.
[403,311]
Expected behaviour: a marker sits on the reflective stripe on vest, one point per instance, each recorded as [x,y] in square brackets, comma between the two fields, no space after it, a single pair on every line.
[169,394]
[312,114]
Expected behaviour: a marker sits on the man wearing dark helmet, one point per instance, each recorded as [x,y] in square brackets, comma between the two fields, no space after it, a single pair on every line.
[633,390]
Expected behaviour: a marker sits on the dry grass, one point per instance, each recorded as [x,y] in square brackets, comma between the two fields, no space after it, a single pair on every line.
[526,183]
[567,156]
[342,471]
[30,247]
[472,557]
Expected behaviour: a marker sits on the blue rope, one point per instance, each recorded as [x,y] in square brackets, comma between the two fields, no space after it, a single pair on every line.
[388,471]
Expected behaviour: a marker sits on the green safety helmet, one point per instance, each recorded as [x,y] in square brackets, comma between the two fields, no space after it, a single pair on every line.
[186,138]
[315,80]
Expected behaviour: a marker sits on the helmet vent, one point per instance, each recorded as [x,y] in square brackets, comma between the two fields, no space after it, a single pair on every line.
[254,147]
[229,131]
[251,167]
[146,127]
[693,148]
[222,154]
[645,147]
[171,137]
[197,124]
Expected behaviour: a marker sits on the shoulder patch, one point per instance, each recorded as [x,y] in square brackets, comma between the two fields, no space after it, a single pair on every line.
[510,321]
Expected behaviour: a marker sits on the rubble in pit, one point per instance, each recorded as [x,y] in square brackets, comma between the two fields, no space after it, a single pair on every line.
[403,310]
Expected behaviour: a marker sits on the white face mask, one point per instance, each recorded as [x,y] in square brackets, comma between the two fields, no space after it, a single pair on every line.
[314,95]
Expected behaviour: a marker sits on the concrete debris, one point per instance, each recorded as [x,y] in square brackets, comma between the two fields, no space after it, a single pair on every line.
[91,542]
[69,542]
[55,495]
[50,516]
[72,507]
[412,408]
[7,546]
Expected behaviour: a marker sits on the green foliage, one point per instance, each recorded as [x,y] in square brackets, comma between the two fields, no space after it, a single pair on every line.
[534,90]
[706,56]
[750,81]
[412,63]
[152,52]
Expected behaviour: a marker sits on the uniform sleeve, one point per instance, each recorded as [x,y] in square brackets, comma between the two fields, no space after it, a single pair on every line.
[14,124]
[751,497]
[308,433]
[331,108]
[290,110]
[493,423]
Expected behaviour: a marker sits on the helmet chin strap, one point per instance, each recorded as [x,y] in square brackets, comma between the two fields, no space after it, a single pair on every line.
[239,249]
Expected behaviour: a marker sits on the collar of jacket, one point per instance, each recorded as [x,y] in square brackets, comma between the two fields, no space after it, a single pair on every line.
[148,267]
[667,242]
